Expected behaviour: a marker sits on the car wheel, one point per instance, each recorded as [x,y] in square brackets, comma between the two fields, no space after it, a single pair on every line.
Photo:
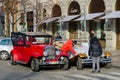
[34,66]
[108,65]
[12,60]
[4,55]
[66,65]
[79,63]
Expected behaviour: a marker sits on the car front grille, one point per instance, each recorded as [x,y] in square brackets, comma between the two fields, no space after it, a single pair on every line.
[50,52]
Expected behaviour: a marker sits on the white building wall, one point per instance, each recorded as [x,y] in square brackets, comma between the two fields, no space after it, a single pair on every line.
[110,35]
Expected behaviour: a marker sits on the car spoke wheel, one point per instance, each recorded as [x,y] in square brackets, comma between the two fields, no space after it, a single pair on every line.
[79,63]
[12,60]
[4,55]
[34,65]
[66,65]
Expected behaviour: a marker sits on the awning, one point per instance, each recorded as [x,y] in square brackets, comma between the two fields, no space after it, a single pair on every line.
[69,18]
[90,16]
[51,19]
[115,14]
[42,21]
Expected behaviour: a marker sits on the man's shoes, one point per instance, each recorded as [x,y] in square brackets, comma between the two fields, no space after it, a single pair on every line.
[98,71]
[92,71]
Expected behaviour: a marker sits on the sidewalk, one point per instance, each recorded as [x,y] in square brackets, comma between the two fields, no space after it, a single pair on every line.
[115,58]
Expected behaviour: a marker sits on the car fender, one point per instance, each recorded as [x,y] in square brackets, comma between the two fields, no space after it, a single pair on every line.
[83,55]
[15,54]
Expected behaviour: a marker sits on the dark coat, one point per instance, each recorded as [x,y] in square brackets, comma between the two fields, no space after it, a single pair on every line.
[92,52]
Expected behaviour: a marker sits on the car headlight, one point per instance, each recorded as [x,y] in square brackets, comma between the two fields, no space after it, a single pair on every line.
[62,58]
[108,54]
[58,52]
[43,59]
[45,53]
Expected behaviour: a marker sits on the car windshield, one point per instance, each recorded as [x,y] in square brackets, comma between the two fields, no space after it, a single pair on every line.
[41,40]
[6,42]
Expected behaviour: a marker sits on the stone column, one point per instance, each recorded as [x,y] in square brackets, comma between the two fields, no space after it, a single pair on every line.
[84,32]
[110,28]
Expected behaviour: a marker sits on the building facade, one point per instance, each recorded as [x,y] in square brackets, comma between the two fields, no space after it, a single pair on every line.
[107,30]
[74,19]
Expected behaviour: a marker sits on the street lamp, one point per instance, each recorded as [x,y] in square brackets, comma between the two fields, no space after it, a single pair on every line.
[83,26]
[60,27]
[85,22]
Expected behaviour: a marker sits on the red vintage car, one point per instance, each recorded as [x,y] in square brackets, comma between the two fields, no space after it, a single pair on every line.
[36,49]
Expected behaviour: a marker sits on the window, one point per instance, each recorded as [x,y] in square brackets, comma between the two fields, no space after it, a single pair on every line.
[22,19]
[18,40]
[41,40]
[99,29]
[30,29]
[4,42]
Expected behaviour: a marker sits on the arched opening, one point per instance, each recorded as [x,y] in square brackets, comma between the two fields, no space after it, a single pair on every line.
[97,6]
[74,9]
[56,12]
[117,24]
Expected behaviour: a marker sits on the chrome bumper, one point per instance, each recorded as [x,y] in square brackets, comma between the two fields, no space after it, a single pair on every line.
[102,60]
[51,63]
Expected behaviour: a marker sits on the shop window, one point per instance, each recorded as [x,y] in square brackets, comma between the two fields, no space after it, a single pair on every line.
[98,27]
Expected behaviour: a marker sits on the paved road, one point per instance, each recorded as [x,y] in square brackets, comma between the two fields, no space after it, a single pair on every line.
[21,72]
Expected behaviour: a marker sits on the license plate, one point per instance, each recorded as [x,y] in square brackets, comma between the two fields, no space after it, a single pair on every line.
[53,62]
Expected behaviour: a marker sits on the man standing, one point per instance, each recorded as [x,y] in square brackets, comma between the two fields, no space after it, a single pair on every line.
[95,51]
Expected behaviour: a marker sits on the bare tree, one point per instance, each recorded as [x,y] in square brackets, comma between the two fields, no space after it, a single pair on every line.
[11,10]
[11,6]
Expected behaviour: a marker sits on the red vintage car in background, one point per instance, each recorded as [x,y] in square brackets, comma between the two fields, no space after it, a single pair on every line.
[36,49]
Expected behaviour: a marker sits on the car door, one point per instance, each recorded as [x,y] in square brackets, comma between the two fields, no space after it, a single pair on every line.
[20,49]
[26,50]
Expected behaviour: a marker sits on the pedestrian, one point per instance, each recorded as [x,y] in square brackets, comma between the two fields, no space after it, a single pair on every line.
[95,51]
[57,37]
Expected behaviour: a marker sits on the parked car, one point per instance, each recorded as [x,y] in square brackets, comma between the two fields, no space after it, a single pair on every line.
[83,58]
[36,49]
[5,48]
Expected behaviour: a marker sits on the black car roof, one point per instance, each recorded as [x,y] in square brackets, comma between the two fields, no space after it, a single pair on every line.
[32,34]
